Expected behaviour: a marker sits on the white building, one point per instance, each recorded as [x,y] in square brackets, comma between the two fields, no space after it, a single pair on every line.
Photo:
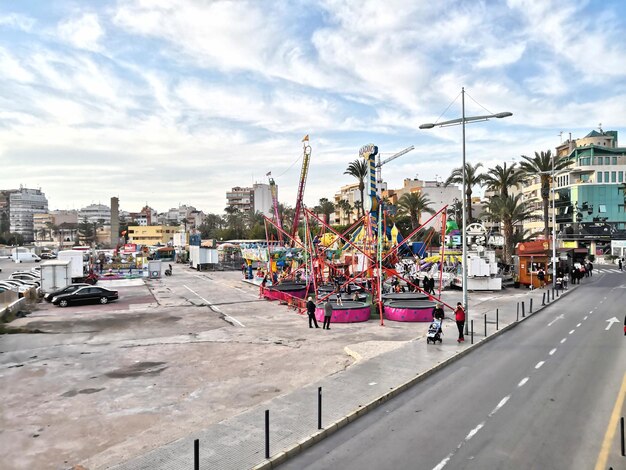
[95,213]
[258,198]
[22,205]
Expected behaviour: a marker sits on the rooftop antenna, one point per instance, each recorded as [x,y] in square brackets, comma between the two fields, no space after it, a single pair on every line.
[561,136]
[600,127]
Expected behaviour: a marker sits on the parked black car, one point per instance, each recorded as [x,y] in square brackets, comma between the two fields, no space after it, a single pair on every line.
[86,295]
[66,290]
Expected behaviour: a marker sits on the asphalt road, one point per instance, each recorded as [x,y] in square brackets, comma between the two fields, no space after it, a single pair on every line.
[545,395]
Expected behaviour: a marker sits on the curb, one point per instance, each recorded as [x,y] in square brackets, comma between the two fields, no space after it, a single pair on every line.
[284,455]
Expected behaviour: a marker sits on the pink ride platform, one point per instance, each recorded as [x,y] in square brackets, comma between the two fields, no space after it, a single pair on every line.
[409,310]
[349,312]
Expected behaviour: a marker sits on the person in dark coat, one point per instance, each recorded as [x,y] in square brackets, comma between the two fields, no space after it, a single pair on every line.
[619,263]
[310,310]
[438,313]
[431,286]
[328,313]
[426,283]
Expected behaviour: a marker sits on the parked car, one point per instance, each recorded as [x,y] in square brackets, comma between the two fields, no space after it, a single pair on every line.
[24,276]
[86,295]
[15,286]
[66,290]
[48,256]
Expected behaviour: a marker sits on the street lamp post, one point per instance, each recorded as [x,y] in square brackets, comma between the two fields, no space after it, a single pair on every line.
[462,120]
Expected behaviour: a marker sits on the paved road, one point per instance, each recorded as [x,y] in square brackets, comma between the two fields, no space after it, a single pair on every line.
[544,396]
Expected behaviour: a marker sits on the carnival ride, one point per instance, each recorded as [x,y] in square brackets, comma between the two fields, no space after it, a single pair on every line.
[354,269]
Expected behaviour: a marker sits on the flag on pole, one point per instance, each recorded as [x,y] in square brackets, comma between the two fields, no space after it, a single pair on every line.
[306,138]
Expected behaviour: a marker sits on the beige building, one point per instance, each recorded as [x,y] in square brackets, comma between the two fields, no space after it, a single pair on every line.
[351,194]
[151,235]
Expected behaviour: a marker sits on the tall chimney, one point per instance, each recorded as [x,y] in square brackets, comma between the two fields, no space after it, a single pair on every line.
[115,222]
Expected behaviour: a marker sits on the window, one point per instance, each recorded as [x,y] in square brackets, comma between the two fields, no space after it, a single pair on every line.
[613,177]
[602,208]
[606,176]
[614,160]
[620,176]
[599,177]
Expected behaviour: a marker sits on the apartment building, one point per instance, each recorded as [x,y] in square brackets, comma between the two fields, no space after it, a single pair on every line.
[151,235]
[95,214]
[258,198]
[23,204]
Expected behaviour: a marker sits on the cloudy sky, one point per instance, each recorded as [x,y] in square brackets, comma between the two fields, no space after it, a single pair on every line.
[177,101]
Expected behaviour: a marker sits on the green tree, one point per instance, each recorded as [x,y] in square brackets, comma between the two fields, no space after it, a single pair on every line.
[326,209]
[412,205]
[541,165]
[86,231]
[358,168]
[472,178]
[500,178]
[509,211]
[346,208]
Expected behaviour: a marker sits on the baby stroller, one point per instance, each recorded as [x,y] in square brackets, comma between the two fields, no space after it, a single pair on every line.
[434,332]
[559,283]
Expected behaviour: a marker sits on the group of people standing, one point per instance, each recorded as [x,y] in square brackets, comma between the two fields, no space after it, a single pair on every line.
[310,310]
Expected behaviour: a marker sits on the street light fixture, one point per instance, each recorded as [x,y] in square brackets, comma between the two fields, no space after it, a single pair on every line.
[463,120]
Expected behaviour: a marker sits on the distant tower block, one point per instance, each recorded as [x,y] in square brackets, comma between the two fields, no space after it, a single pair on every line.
[115,222]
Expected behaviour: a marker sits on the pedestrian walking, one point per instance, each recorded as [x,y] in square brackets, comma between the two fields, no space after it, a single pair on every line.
[425,283]
[438,313]
[431,286]
[590,269]
[339,301]
[625,326]
[328,312]
[262,288]
[541,275]
[619,263]
[310,310]
[459,316]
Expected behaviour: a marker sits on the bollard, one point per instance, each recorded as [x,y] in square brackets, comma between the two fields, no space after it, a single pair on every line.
[621,424]
[553,295]
[267,434]
[472,335]
[530,310]
[523,308]
[557,293]
[543,299]
[196,454]
[497,318]
[517,319]
[485,325]
[319,408]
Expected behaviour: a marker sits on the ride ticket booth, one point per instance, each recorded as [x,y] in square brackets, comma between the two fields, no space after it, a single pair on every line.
[533,256]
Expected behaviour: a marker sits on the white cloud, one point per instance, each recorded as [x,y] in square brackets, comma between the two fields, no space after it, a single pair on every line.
[21,22]
[83,32]
[497,57]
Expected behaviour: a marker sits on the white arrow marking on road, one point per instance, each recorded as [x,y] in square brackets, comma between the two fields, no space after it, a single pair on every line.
[560,317]
[611,321]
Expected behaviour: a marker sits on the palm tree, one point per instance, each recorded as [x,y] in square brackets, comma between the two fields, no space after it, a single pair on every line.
[501,178]
[358,168]
[510,211]
[412,205]
[326,208]
[541,165]
[345,207]
[472,178]
[454,211]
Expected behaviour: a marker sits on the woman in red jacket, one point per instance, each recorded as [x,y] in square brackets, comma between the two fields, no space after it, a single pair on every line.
[459,315]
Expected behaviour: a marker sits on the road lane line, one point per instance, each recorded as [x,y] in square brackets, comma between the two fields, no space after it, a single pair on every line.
[523,381]
[571,332]
[563,340]
[585,317]
[214,307]
[539,364]
[474,431]
[552,351]
[500,405]
[578,325]
[611,428]
[443,463]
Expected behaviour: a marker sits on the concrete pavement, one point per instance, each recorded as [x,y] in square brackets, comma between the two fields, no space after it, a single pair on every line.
[239,442]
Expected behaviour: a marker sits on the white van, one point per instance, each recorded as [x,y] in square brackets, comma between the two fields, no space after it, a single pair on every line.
[21,257]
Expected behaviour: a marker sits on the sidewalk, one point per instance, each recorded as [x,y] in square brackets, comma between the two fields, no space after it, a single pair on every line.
[239,442]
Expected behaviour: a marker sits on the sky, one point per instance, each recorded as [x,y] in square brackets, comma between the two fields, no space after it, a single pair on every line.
[170,102]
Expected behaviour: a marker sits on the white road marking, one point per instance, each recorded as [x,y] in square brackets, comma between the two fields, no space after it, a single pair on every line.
[590,311]
[474,431]
[585,317]
[523,381]
[578,325]
[557,318]
[571,332]
[611,321]
[552,351]
[372,383]
[500,405]
[213,306]
[563,340]
[539,364]
[443,463]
